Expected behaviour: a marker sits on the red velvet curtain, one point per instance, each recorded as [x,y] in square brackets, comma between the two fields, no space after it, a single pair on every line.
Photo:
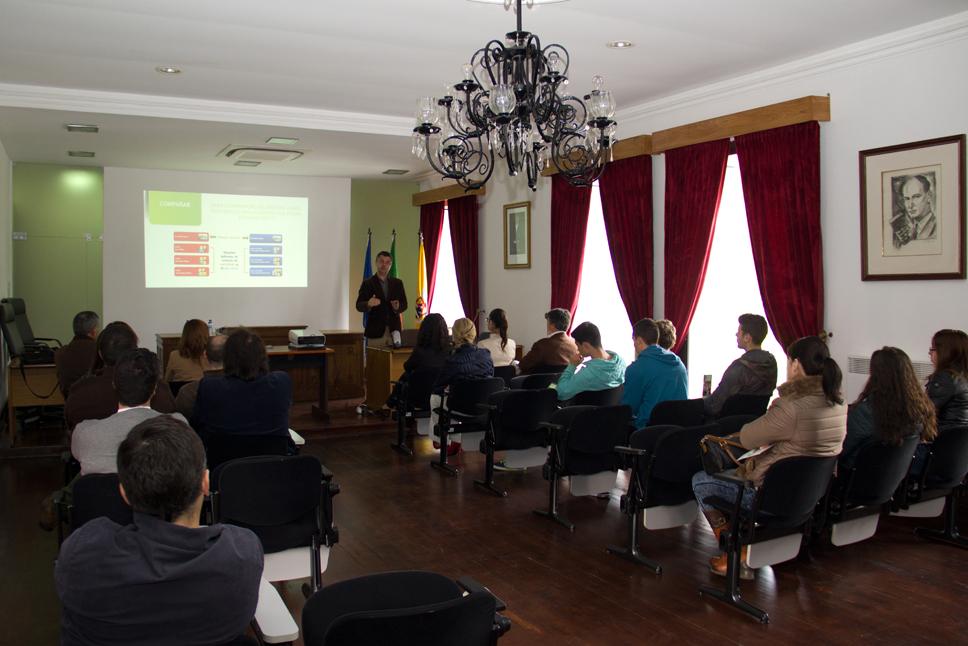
[781,187]
[626,191]
[431,225]
[569,222]
[462,213]
[694,185]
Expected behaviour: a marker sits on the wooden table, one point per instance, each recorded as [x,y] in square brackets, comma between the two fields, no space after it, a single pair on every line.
[383,365]
[40,379]
[307,369]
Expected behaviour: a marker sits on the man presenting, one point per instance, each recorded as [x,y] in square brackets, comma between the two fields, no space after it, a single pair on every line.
[385,299]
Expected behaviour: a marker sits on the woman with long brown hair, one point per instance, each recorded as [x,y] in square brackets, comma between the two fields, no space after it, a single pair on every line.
[948,385]
[892,406]
[188,362]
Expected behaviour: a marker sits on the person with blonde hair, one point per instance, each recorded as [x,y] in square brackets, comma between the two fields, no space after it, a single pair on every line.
[466,362]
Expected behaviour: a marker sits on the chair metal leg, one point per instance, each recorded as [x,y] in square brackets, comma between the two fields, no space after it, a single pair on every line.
[949,535]
[487,484]
[731,594]
[441,463]
[400,446]
[631,553]
[552,511]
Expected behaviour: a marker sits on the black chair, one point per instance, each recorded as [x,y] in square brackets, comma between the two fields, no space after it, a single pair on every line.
[680,412]
[547,368]
[403,609]
[663,461]
[92,496]
[607,397]
[175,386]
[515,424]
[937,490]
[858,494]
[583,441]
[23,324]
[745,405]
[463,410]
[507,373]
[776,524]
[412,402]
[223,447]
[288,502]
[534,380]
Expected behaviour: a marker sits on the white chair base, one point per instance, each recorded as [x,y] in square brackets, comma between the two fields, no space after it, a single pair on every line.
[926,509]
[272,617]
[524,458]
[667,516]
[591,485]
[774,551]
[854,531]
[423,426]
[295,563]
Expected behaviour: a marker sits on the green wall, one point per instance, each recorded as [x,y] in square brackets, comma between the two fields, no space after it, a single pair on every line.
[383,206]
[57,269]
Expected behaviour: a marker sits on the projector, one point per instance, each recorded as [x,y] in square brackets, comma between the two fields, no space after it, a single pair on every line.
[301,339]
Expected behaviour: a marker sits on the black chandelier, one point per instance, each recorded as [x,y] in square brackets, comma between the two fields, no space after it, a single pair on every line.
[512,104]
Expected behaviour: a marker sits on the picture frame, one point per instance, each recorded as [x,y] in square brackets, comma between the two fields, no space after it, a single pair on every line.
[912,210]
[517,235]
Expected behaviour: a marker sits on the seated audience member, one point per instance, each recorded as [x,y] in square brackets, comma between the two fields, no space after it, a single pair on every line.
[656,375]
[247,399]
[76,359]
[947,386]
[667,333]
[808,419]
[603,370]
[891,407]
[214,351]
[94,442]
[94,397]
[555,351]
[466,362]
[431,351]
[502,348]
[163,579]
[754,373]
[187,362]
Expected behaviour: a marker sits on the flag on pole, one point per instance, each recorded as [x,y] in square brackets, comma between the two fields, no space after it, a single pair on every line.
[421,306]
[367,266]
[393,255]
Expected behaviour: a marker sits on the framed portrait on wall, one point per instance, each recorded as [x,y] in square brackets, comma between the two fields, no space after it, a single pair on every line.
[912,209]
[517,235]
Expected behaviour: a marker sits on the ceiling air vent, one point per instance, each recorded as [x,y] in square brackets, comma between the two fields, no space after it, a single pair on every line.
[262,155]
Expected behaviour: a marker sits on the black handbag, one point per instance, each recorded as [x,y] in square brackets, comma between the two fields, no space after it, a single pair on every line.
[719,453]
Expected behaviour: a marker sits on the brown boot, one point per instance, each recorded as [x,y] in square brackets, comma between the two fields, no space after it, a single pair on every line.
[719,564]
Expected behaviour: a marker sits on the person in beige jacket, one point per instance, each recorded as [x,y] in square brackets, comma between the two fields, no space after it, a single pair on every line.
[808,419]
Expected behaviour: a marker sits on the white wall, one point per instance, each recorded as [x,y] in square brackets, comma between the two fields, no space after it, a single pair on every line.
[6,252]
[323,304]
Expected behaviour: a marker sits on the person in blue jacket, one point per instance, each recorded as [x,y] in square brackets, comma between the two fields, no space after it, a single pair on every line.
[656,375]
[603,370]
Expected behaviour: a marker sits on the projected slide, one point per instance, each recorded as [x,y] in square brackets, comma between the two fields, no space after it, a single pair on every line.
[212,240]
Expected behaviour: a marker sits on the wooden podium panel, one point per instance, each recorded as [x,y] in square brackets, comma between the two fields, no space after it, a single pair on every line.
[383,365]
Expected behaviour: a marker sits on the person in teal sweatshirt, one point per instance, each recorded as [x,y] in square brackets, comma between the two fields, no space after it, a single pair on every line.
[602,371]
[656,375]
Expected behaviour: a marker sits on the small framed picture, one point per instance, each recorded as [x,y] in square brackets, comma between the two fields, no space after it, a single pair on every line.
[912,210]
[517,235]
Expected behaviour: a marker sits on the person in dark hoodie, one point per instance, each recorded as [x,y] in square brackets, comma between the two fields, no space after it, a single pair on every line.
[754,373]
[656,375]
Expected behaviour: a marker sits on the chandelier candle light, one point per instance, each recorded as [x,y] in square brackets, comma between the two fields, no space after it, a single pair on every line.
[513,104]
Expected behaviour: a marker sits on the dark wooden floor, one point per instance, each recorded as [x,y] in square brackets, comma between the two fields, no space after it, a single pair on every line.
[561,587]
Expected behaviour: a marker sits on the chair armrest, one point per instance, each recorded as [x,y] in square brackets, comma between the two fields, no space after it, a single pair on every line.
[628,450]
[487,407]
[551,427]
[44,338]
[327,474]
[471,584]
[462,416]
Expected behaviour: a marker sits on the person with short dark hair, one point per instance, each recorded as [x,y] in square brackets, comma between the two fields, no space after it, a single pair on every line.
[187,362]
[94,442]
[754,373]
[555,351]
[383,298]
[247,399]
[76,359]
[162,579]
[603,369]
[187,394]
[94,397]
[656,375]
[667,333]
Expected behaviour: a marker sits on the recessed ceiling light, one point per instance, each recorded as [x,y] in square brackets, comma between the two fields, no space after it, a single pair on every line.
[244,162]
[167,69]
[282,141]
[395,171]
[80,127]
[80,153]
[620,44]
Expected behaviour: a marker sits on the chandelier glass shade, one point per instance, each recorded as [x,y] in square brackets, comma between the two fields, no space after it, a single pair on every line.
[512,107]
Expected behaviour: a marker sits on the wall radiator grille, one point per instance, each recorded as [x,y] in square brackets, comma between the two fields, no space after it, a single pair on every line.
[860,365]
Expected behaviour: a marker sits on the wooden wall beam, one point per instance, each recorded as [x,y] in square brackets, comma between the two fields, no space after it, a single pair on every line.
[450,192]
[787,113]
[623,149]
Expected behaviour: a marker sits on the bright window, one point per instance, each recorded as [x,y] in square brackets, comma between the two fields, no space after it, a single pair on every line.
[598,297]
[730,289]
[446,300]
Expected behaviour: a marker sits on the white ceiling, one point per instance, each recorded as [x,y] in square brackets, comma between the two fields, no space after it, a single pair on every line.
[342,69]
